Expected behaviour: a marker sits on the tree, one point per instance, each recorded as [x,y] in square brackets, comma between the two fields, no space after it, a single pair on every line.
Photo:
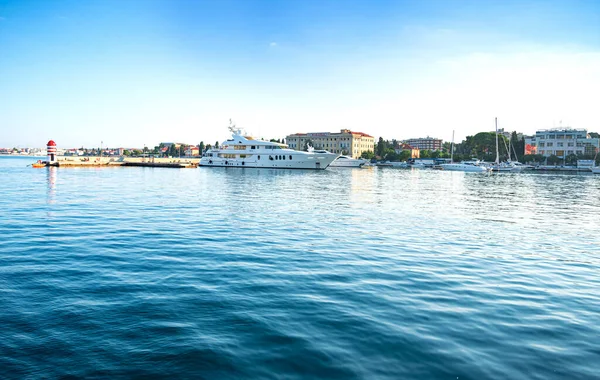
[554,159]
[518,146]
[201,147]
[404,155]
[425,153]
[367,154]
[571,159]
[533,158]
[595,135]
[216,145]
[380,147]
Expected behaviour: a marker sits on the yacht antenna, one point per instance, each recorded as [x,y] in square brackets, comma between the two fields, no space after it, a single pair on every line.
[232,126]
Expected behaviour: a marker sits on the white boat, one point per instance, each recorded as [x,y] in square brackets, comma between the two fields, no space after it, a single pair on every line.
[348,162]
[245,152]
[507,166]
[595,169]
[464,166]
[393,164]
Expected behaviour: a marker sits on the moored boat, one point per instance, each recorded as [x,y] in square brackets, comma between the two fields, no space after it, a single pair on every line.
[348,162]
[246,152]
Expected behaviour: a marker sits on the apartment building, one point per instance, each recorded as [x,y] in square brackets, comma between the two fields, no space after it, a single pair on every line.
[561,142]
[425,143]
[345,142]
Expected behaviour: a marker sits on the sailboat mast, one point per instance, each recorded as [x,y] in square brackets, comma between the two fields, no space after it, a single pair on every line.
[452,148]
[497,151]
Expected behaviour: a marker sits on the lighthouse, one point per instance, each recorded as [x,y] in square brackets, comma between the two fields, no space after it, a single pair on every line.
[51,149]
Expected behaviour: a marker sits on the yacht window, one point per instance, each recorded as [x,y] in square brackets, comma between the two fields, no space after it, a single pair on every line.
[283,157]
[259,156]
[290,156]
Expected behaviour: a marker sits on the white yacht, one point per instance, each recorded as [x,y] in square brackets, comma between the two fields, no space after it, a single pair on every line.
[348,162]
[245,152]
[466,166]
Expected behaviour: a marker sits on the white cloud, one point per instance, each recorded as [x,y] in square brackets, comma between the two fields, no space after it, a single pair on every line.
[273,44]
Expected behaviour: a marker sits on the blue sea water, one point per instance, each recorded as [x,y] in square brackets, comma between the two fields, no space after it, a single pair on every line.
[343,273]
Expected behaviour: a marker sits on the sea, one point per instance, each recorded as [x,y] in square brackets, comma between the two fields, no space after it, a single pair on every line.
[230,273]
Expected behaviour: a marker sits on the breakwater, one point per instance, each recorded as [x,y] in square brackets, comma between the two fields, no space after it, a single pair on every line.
[70,161]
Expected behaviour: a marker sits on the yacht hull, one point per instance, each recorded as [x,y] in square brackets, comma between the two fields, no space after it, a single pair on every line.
[463,168]
[319,162]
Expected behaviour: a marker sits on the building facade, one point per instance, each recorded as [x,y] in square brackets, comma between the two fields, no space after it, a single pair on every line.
[345,142]
[561,142]
[414,151]
[425,143]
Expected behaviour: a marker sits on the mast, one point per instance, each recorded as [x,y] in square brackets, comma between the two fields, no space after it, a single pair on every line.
[497,152]
[452,148]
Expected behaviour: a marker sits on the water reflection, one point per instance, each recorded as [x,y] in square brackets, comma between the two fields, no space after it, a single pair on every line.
[51,182]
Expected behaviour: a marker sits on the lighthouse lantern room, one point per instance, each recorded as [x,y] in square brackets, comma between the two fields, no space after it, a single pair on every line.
[51,149]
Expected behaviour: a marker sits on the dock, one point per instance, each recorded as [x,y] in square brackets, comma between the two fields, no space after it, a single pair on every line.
[97,162]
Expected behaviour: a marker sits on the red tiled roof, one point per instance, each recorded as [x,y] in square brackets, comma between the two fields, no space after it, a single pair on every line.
[361,133]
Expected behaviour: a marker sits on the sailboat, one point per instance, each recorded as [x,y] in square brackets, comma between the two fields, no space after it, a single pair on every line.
[507,166]
[596,169]
[464,166]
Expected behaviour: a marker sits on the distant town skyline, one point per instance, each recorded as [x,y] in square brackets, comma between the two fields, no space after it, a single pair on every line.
[139,73]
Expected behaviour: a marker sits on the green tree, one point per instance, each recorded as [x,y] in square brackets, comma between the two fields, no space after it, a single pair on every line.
[201,147]
[425,153]
[381,147]
[571,159]
[554,160]
[404,155]
[367,154]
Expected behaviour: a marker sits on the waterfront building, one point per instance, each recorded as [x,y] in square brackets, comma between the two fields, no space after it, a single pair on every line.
[425,143]
[414,151]
[345,142]
[561,142]
[192,151]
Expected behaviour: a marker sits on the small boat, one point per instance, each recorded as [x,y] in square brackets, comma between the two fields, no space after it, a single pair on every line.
[464,166]
[348,162]
[39,164]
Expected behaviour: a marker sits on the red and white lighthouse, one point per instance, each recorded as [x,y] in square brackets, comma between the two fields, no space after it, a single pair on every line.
[51,149]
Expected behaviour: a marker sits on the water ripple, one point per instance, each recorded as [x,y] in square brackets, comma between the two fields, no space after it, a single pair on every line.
[228,273]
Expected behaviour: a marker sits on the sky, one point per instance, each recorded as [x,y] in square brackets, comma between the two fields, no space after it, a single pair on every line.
[133,73]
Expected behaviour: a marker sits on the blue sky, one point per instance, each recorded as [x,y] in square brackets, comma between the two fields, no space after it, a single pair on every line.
[130,73]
